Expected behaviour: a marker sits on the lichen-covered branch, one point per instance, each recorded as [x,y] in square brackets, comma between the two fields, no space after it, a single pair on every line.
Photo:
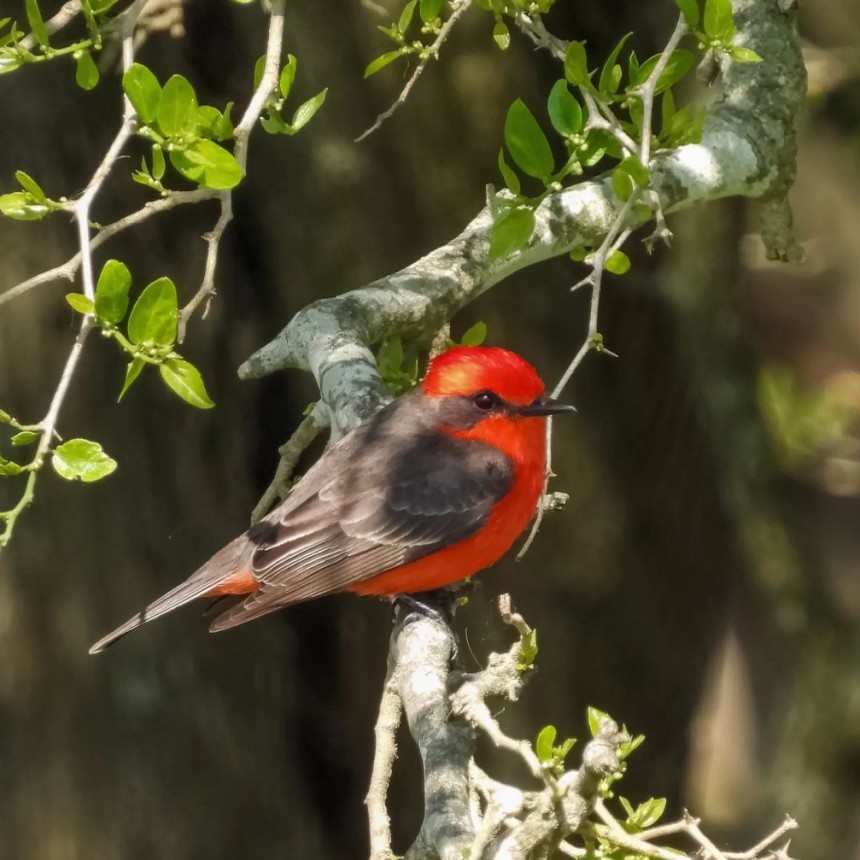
[747,149]
[468,813]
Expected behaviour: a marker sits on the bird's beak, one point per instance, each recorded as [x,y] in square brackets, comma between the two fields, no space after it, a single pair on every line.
[544,406]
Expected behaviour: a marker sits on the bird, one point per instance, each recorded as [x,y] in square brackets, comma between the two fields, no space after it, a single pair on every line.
[434,487]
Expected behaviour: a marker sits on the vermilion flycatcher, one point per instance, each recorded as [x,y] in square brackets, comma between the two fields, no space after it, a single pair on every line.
[433,488]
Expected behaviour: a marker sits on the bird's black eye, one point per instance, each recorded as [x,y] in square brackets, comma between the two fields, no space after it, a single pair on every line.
[486,400]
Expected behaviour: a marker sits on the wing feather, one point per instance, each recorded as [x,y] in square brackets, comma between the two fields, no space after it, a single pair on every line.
[368,521]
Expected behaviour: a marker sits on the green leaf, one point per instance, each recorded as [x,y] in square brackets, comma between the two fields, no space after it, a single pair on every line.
[153,317]
[743,55]
[667,109]
[143,91]
[501,34]
[610,76]
[31,186]
[511,231]
[259,70]
[622,184]
[176,113]
[576,64]
[25,437]
[633,76]
[80,459]
[690,10]
[21,206]
[595,717]
[389,357]
[508,174]
[380,62]
[80,303]
[9,468]
[305,111]
[718,21]
[637,170]
[545,742]
[680,62]
[288,75]
[528,650]
[37,23]
[475,335]
[208,164]
[527,143]
[406,16]
[112,291]
[6,418]
[135,366]
[651,811]
[185,379]
[565,112]
[618,263]
[158,165]
[430,9]
[273,124]
[86,71]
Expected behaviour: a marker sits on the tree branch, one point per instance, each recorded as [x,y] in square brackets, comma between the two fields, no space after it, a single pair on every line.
[747,149]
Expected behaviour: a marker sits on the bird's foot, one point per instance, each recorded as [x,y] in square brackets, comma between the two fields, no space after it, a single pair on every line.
[438,606]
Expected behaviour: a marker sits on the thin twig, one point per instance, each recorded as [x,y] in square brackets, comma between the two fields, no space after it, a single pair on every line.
[312,425]
[242,134]
[432,53]
[69,269]
[385,732]
[787,826]
[648,89]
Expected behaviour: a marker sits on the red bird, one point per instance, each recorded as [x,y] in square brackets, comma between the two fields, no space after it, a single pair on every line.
[433,488]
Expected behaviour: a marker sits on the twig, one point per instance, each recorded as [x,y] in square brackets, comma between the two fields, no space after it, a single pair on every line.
[648,90]
[312,425]
[787,826]
[431,53]
[68,270]
[387,723]
[47,426]
[242,134]
[708,847]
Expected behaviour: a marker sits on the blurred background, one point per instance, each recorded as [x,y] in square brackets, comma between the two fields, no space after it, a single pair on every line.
[702,585]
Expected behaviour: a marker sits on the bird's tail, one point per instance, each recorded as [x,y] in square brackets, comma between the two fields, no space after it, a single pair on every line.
[220,568]
[179,596]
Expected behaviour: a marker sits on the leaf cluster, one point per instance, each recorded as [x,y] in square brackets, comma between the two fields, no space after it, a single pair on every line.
[614,93]
[429,16]
[150,337]
[13,55]
[274,122]
[189,133]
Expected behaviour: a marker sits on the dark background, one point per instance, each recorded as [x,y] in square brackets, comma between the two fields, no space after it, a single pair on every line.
[700,586]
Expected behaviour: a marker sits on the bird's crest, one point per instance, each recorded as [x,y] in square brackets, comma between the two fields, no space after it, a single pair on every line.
[466,370]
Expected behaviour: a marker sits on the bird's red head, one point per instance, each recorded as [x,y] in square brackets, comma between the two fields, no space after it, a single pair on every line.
[466,370]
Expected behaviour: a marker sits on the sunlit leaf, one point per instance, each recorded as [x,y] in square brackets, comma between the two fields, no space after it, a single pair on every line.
[112,291]
[185,379]
[154,315]
[511,231]
[526,142]
[143,91]
[81,459]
